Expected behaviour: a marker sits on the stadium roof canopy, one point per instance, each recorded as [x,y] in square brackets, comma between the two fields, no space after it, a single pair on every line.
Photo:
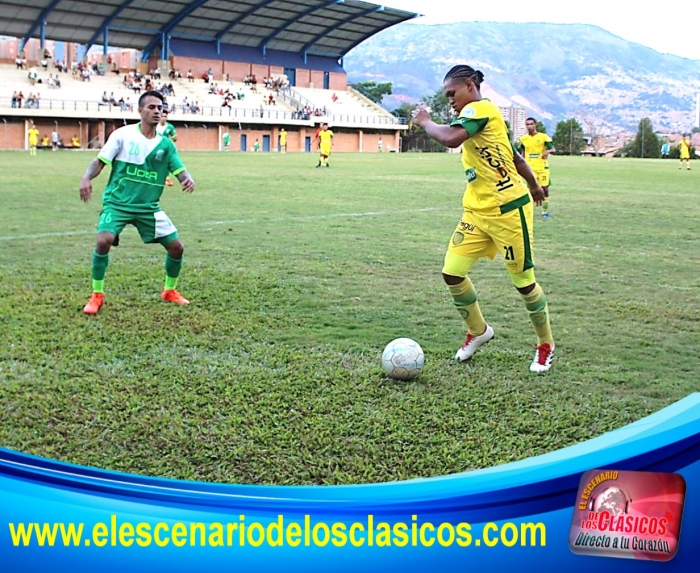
[319,27]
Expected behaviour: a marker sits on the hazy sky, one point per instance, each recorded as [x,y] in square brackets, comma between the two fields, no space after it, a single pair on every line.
[669,27]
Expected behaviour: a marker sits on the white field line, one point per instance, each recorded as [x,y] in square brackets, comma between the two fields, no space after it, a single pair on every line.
[239,222]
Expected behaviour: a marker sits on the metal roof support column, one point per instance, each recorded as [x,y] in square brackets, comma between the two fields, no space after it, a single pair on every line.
[164,46]
[105,40]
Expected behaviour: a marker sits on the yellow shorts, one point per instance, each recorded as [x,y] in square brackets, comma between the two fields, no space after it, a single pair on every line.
[542,176]
[477,236]
[325,149]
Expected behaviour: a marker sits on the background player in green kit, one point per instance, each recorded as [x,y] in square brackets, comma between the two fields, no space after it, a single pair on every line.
[166,129]
[140,159]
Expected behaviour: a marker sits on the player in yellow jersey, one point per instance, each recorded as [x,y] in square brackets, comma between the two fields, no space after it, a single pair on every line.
[325,143]
[684,147]
[497,211]
[283,141]
[32,138]
[535,148]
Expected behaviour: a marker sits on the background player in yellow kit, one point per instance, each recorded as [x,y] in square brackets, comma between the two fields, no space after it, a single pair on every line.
[325,139]
[33,138]
[684,147]
[535,148]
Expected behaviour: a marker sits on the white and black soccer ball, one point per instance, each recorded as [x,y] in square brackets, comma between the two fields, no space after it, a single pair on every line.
[403,359]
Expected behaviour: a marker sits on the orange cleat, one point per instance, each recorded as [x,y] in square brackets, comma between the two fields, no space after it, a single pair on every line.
[168,183]
[95,303]
[173,296]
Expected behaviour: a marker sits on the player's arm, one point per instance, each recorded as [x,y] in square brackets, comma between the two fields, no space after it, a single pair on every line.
[93,170]
[526,173]
[448,135]
[185,180]
[548,149]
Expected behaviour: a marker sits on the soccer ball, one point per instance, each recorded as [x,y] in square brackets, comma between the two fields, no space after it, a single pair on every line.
[403,359]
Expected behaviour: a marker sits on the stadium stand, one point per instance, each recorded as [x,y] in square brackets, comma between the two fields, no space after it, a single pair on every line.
[297,43]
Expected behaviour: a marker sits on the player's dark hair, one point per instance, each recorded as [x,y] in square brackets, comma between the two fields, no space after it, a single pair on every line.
[465,73]
[532,119]
[151,93]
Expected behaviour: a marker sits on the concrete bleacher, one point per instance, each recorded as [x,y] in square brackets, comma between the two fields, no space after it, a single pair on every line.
[77,98]
[344,106]
[72,90]
[198,91]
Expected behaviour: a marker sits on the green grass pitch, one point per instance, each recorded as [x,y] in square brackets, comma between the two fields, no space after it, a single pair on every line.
[298,277]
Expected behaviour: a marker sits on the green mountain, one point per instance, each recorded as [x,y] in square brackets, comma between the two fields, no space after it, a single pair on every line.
[553,70]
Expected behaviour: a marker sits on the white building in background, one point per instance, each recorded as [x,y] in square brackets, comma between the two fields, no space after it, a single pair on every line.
[696,123]
[515,116]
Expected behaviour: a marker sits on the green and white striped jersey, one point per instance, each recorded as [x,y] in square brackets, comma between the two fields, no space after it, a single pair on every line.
[139,169]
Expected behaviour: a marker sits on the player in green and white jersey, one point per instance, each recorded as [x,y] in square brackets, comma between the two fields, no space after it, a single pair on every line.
[140,159]
[166,129]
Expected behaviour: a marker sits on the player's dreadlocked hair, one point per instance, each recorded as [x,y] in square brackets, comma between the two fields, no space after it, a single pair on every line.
[466,73]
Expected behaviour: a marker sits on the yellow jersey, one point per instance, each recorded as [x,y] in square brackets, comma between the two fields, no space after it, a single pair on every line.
[283,138]
[33,136]
[532,147]
[493,183]
[685,149]
[325,136]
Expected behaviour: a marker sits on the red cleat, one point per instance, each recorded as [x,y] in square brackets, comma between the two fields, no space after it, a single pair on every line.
[173,296]
[95,303]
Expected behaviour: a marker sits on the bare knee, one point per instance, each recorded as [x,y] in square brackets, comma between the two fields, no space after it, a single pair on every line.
[176,249]
[104,243]
[452,279]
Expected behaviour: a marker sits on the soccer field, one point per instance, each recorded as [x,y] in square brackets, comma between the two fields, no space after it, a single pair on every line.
[298,277]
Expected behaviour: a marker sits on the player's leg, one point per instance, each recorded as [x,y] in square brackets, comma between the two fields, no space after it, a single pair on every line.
[111,223]
[543,179]
[175,251]
[158,228]
[468,243]
[514,238]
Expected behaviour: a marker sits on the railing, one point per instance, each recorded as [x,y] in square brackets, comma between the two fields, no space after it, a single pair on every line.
[235,113]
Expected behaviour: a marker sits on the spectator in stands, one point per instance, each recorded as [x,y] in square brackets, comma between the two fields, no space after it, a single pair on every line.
[271,100]
[190,76]
[32,75]
[45,141]
[18,62]
[20,97]
[15,100]
[334,97]
[240,94]
[45,64]
[74,141]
